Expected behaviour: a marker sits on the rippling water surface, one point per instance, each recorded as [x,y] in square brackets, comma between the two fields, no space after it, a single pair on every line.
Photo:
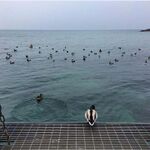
[120,92]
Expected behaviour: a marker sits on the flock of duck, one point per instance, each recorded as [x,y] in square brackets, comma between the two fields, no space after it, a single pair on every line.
[51,56]
[73,60]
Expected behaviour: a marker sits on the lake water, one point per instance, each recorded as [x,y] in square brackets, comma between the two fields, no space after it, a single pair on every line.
[120,92]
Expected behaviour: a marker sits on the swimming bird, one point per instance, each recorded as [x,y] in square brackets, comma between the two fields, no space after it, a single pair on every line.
[131,55]
[119,47]
[145,61]
[100,50]
[16,46]
[51,56]
[72,53]
[73,61]
[84,58]
[148,57]
[39,52]
[28,60]
[7,57]
[116,60]
[52,48]
[8,54]
[65,58]
[111,63]
[83,49]
[31,46]
[11,62]
[15,50]
[95,53]
[91,115]
[39,98]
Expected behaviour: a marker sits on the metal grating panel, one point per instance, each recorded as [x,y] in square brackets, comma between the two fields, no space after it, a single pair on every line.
[27,136]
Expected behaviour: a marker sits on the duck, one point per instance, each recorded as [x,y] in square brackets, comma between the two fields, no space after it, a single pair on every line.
[8,54]
[131,55]
[72,53]
[39,98]
[7,57]
[15,50]
[83,49]
[73,61]
[84,58]
[91,115]
[31,46]
[28,60]
[51,55]
[12,62]
[108,52]
[111,63]
[116,60]
[100,50]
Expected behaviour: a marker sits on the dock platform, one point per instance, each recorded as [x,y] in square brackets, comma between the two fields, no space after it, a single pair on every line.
[76,136]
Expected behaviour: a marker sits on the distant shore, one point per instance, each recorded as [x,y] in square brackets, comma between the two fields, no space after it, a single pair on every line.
[145,30]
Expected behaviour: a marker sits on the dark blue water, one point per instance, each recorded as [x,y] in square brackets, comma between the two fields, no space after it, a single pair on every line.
[120,92]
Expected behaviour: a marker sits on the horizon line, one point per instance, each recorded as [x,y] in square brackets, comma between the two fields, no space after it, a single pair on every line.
[68,29]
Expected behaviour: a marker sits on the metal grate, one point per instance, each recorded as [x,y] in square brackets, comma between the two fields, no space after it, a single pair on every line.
[27,136]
